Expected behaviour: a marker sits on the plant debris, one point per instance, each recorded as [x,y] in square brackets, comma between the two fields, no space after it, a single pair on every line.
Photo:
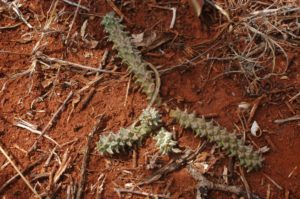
[88,91]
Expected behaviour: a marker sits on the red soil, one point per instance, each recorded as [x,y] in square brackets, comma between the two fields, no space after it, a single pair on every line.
[188,89]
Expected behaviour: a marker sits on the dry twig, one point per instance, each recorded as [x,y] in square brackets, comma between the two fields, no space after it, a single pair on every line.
[76,5]
[118,11]
[52,120]
[174,165]
[205,185]
[100,187]
[152,195]
[72,23]
[15,8]
[85,160]
[289,119]
[46,58]
[32,128]
[7,156]
[15,177]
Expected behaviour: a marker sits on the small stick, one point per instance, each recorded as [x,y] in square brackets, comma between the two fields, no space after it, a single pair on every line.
[118,11]
[169,183]
[66,159]
[76,5]
[211,115]
[127,91]
[295,97]
[219,8]
[72,23]
[4,165]
[70,192]
[52,120]
[134,157]
[102,62]
[174,165]
[173,14]
[100,187]
[11,26]
[287,194]
[205,185]
[46,27]
[87,99]
[32,128]
[70,142]
[19,148]
[85,160]
[246,184]
[291,173]
[50,157]
[15,8]
[18,171]
[254,108]
[29,167]
[268,194]
[103,59]
[290,107]
[75,65]
[289,119]
[273,181]
[271,143]
[120,190]
[157,85]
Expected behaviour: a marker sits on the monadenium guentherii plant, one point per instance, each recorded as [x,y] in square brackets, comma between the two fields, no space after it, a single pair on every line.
[127,137]
[229,142]
[122,42]
[165,142]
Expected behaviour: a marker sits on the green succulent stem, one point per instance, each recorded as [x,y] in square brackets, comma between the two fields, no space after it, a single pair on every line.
[165,142]
[127,137]
[229,142]
[122,42]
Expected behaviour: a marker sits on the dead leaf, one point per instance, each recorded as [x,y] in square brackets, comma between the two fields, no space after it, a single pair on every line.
[47,82]
[90,44]
[144,39]
[149,40]
[197,6]
[83,29]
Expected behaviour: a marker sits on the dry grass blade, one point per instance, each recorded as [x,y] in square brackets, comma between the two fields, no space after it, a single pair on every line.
[32,128]
[254,38]
[29,167]
[15,8]
[76,5]
[152,195]
[64,165]
[197,6]
[48,59]
[72,23]
[49,21]
[100,187]
[6,155]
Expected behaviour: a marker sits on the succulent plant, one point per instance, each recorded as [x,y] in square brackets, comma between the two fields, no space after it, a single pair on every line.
[126,138]
[128,53]
[229,142]
[165,142]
